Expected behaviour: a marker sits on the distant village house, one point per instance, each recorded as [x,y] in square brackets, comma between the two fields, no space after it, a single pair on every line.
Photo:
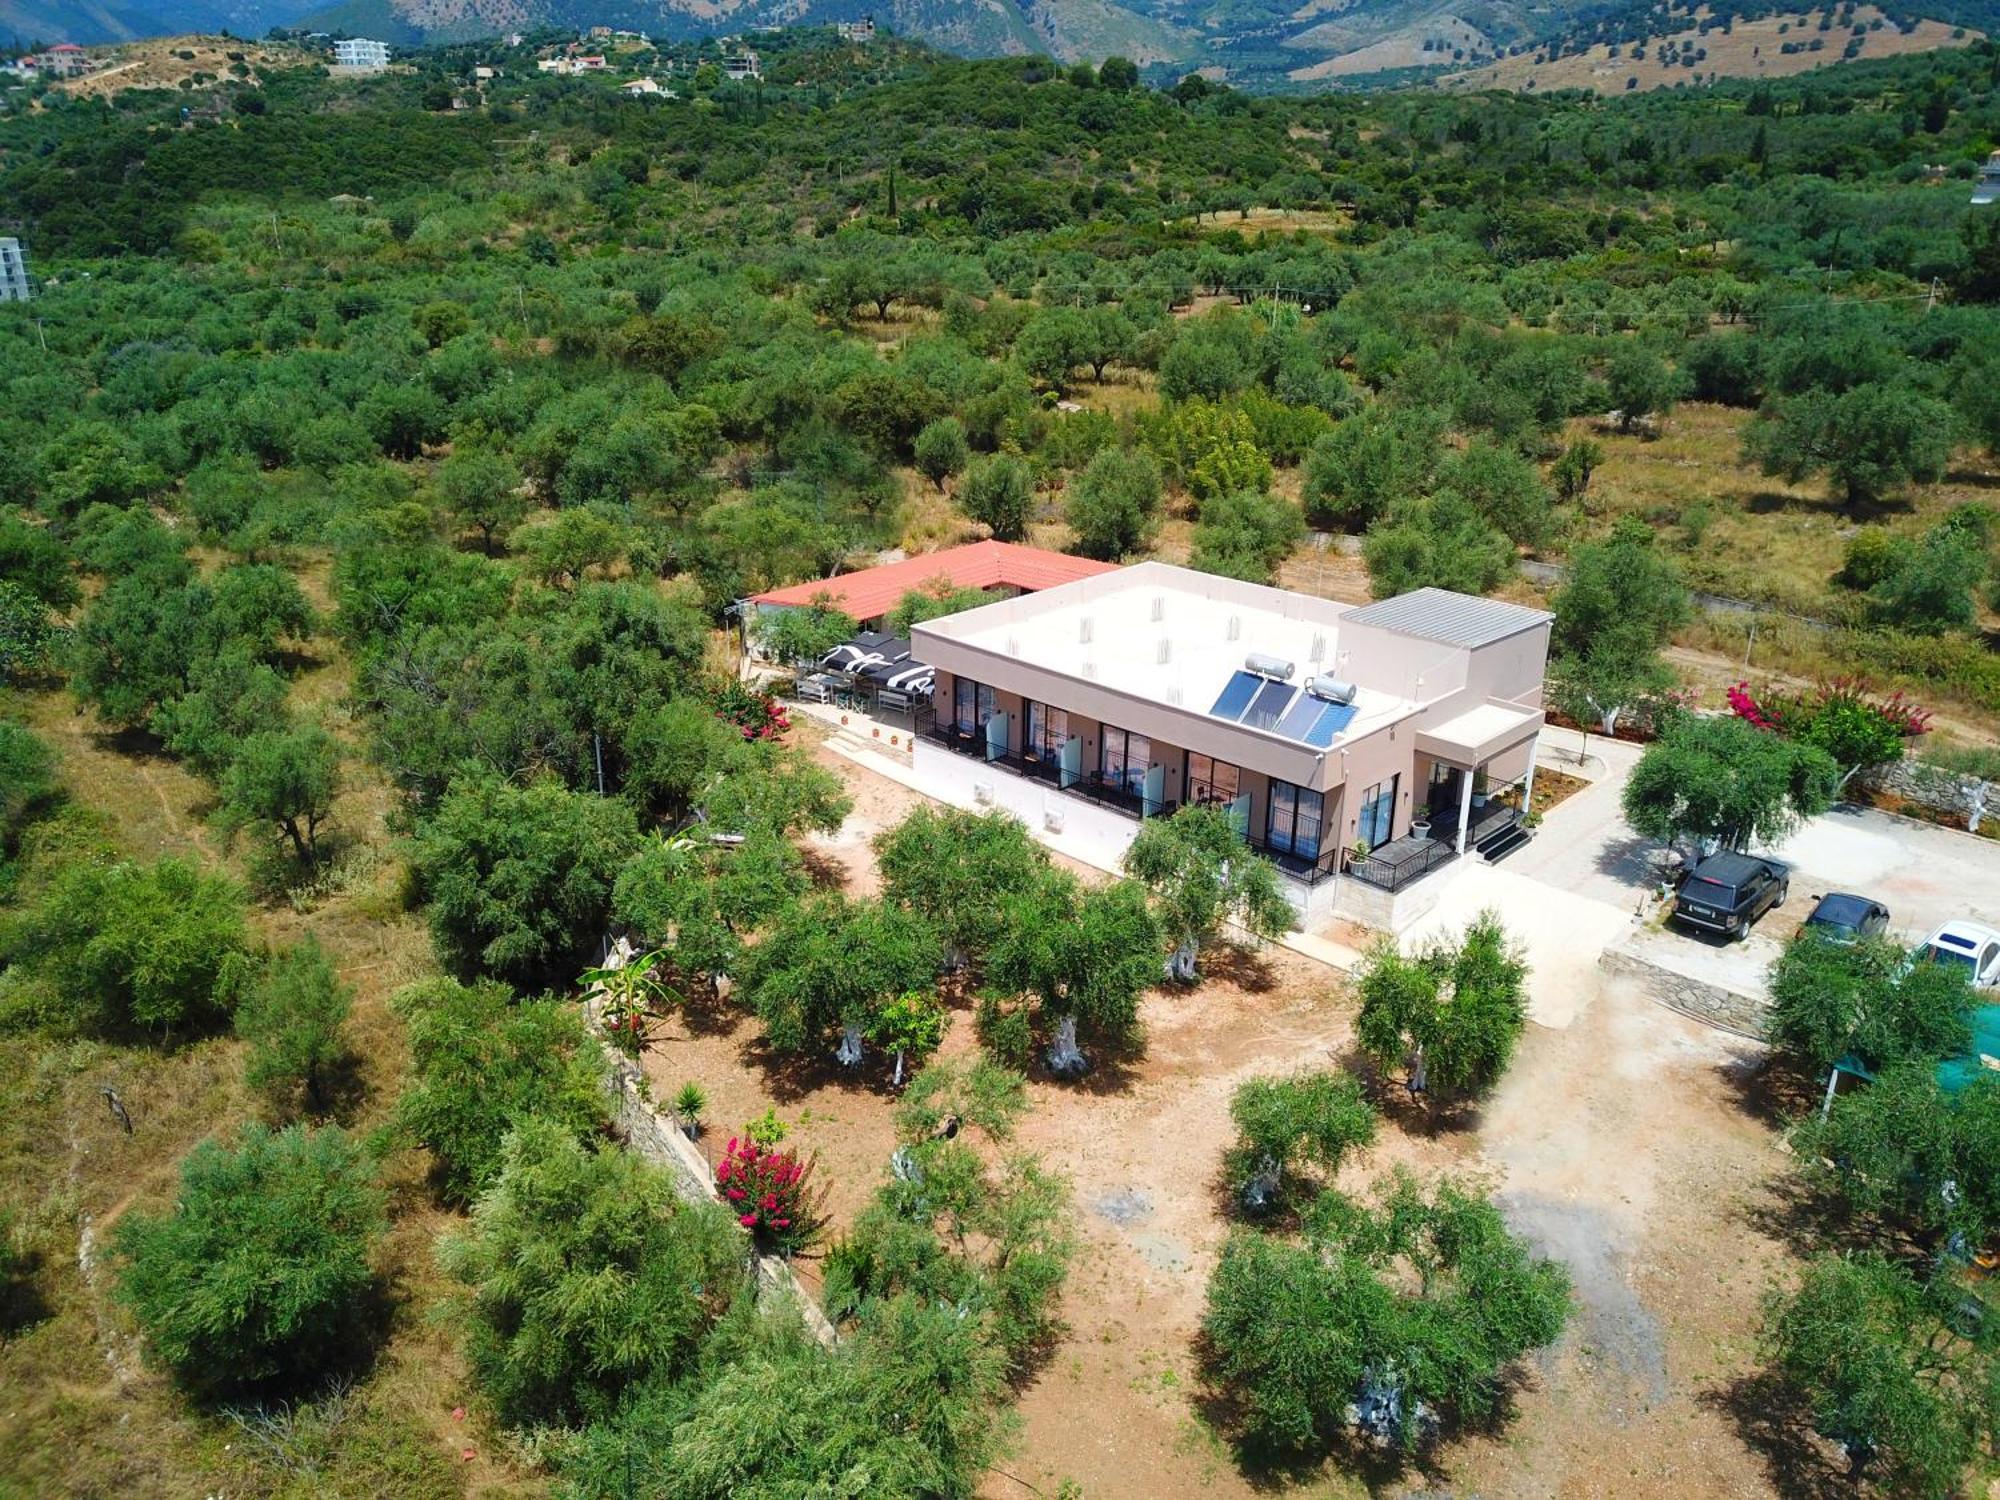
[359,54]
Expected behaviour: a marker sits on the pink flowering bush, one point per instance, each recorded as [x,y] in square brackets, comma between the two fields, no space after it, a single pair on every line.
[758,715]
[767,1191]
[1841,717]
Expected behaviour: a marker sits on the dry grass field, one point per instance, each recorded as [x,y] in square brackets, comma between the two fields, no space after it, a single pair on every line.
[157,63]
[1750,49]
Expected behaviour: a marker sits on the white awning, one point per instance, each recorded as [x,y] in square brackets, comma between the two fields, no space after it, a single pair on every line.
[1479,734]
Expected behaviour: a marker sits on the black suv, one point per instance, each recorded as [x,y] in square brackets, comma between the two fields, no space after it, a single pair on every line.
[1727,892]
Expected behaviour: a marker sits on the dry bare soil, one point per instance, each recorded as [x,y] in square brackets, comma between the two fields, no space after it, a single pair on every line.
[156,63]
[1622,1144]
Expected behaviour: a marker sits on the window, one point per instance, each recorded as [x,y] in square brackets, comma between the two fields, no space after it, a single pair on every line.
[1378,812]
[972,704]
[1210,780]
[1124,757]
[1294,819]
[1048,732]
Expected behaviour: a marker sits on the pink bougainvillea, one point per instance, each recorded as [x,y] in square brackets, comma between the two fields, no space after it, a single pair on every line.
[1747,708]
[767,1191]
[758,715]
[1793,714]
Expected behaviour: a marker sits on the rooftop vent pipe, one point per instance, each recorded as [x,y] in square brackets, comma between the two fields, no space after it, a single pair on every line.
[1268,666]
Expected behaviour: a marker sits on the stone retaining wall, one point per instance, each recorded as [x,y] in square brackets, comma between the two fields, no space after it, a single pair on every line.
[1709,1003]
[1931,786]
[667,1147]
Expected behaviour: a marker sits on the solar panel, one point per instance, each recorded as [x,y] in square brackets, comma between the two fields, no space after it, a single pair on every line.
[1236,695]
[1269,704]
[1336,718]
[1299,718]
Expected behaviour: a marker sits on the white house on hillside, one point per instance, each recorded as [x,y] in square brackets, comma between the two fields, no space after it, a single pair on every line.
[359,53]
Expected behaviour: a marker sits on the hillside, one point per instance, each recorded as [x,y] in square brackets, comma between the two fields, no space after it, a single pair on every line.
[1270,44]
[1775,46]
[182,62]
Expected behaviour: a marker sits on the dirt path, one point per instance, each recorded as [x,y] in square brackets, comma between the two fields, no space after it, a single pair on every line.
[1623,1148]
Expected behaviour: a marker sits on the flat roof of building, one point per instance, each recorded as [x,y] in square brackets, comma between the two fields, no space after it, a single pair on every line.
[1183,639]
[1448,618]
[979,565]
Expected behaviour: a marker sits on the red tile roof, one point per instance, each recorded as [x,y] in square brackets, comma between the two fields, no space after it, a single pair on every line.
[980,565]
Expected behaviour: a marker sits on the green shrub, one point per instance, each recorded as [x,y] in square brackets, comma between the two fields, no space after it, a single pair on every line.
[293,1015]
[584,1274]
[123,946]
[482,1065]
[261,1269]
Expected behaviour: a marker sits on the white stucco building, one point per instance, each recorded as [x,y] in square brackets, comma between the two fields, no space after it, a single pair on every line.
[360,54]
[1360,748]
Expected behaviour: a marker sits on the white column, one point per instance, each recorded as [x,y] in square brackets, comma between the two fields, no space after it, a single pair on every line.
[1528,786]
[1464,805]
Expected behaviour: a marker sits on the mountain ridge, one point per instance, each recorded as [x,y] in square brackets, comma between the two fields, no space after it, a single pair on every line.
[1283,44]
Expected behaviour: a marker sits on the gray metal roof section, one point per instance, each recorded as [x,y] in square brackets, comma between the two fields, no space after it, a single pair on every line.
[1446,617]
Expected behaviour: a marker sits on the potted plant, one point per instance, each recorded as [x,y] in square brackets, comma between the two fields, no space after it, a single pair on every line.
[1357,852]
[688,1104]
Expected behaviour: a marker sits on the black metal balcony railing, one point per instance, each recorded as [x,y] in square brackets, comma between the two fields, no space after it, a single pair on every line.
[1407,859]
[1389,868]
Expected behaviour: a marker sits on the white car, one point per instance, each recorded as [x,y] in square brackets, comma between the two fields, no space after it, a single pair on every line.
[1972,945]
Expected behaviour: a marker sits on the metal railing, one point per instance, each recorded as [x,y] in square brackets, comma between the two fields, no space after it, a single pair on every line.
[1391,867]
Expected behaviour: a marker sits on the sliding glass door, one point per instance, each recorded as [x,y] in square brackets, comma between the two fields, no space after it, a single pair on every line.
[1048,732]
[1124,758]
[1378,812]
[972,705]
[1294,823]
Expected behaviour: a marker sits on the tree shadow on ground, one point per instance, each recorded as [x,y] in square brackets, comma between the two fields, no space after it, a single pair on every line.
[23,1303]
[1776,1425]
[789,1077]
[1248,969]
[1633,861]
[1770,1089]
[1808,1216]
[824,871]
[705,1011]
[1419,1115]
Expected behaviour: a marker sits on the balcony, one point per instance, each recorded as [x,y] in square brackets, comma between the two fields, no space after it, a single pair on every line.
[1089,786]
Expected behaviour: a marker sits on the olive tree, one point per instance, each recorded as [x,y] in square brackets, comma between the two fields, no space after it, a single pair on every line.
[960,1221]
[960,871]
[1620,602]
[1394,1319]
[1284,1124]
[830,964]
[1890,1367]
[286,779]
[519,878]
[1449,1014]
[1202,874]
[1831,999]
[1080,957]
[1722,781]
